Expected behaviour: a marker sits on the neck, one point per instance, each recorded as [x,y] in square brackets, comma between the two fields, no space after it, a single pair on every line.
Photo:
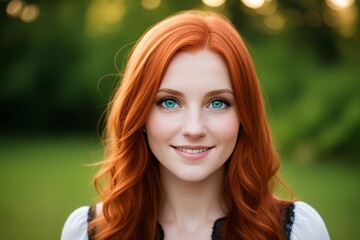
[191,203]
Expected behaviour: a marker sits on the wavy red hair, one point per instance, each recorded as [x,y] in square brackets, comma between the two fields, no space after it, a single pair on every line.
[131,192]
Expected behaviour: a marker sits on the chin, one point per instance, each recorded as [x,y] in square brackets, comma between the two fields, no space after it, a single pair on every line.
[194,177]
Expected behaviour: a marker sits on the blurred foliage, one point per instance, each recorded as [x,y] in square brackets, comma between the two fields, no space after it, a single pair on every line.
[59,71]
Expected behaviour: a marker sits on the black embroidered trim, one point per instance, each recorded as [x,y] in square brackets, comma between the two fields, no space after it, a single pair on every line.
[217,227]
[91,216]
[215,235]
[289,218]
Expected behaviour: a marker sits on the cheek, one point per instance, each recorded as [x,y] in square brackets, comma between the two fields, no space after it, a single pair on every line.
[226,129]
[158,128]
[153,126]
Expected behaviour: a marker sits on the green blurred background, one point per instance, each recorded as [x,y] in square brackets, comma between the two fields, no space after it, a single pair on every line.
[59,62]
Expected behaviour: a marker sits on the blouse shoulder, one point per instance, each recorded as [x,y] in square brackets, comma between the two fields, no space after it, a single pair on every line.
[76,225]
[308,224]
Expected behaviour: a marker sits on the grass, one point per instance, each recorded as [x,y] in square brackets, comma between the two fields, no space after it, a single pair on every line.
[44,180]
[332,188]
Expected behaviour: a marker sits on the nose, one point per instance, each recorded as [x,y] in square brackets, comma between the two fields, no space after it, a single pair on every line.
[194,126]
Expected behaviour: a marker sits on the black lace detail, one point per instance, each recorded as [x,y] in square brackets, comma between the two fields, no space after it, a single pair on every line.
[215,235]
[216,231]
[289,218]
[91,216]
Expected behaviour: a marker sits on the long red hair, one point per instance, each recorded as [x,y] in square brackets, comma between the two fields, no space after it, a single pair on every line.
[131,191]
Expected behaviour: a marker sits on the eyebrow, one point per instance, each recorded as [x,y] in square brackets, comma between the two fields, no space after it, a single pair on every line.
[171,91]
[208,94]
[219,91]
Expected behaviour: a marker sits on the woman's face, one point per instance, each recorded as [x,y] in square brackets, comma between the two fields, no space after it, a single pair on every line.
[193,125]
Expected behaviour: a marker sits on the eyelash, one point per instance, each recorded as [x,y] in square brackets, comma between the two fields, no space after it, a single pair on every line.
[225,101]
[162,100]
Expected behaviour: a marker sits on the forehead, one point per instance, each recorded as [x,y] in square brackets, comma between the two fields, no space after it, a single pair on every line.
[201,67]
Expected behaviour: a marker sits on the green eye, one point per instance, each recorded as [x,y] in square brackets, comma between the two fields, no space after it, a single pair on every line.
[169,103]
[217,104]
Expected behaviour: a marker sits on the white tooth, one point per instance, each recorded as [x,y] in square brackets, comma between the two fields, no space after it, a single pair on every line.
[192,151]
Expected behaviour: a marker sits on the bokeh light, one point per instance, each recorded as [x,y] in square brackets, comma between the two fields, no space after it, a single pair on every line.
[254,4]
[213,3]
[26,12]
[347,21]
[102,13]
[269,7]
[339,4]
[274,22]
[150,4]
[14,8]
[343,16]
[30,13]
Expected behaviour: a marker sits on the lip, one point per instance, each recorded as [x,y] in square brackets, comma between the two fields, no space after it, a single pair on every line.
[192,153]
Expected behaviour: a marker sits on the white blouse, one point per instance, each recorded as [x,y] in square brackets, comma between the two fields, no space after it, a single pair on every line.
[308,224]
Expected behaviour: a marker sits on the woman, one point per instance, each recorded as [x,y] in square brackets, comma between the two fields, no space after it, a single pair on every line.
[188,148]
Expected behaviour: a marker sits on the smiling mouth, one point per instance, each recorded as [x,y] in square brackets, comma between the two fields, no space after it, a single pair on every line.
[192,150]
